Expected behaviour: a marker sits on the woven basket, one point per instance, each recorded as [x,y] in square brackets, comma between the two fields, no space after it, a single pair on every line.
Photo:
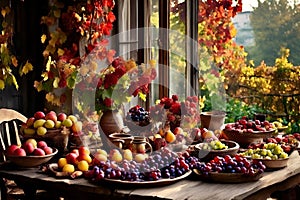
[57,138]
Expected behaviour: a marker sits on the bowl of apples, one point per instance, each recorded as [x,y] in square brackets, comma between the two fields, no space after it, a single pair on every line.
[31,153]
[245,131]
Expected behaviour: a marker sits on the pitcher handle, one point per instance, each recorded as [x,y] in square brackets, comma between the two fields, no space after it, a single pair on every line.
[150,147]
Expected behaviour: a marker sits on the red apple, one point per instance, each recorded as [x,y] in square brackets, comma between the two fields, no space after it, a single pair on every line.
[72,158]
[10,150]
[41,144]
[30,122]
[178,130]
[19,152]
[39,115]
[28,147]
[38,152]
[48,150]
[76,151]
[83,150]
[51,115]
[61,116]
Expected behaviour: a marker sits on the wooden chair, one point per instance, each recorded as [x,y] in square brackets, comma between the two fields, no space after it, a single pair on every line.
[10,121]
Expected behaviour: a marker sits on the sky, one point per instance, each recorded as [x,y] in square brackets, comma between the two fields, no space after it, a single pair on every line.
[248,4]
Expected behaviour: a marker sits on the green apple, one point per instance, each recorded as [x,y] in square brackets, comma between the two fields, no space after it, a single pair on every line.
[41,130]
[39,123]
[49,123]
[29,131]
[67,123]
[58,124]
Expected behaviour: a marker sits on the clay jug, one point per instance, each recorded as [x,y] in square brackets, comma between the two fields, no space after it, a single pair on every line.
[111,121]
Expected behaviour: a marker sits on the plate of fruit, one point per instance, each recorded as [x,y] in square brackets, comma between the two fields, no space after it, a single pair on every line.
[245,131]
[126,169]
[270,154]
[31,153]
[208,150]
[230,169]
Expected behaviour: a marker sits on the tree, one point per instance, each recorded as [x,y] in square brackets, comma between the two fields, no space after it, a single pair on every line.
[275,25]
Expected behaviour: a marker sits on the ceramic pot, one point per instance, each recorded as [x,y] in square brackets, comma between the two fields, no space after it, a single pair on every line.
[212,120]
[111,121]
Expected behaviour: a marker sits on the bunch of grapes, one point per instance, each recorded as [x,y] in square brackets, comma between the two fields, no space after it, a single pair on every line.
[232,164]
[161,164]
[138,114]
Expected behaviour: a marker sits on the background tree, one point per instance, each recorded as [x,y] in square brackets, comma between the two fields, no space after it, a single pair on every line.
[276,24]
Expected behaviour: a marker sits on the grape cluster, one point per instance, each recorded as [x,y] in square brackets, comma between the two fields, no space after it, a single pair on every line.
[249,125]
[161,164]
[232,164]
[138,114]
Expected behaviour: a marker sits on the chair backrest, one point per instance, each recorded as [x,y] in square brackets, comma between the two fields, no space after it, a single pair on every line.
[10,121]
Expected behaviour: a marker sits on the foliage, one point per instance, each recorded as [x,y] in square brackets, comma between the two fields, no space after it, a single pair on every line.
[236,109]
[273,88]
[120,81]
[8,60]
[275,25]
[81,29]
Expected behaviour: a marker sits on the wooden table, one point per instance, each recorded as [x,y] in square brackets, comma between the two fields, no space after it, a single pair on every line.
[282,179]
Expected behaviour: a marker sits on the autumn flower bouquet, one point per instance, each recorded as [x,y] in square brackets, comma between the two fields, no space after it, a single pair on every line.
[122,80]
[174,113]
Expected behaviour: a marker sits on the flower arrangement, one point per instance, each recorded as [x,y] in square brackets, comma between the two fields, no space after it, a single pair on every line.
[121,81]
[77,29]
[9,61]
[174,113]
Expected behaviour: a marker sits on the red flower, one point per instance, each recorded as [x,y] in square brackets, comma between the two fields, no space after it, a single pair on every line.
[110,80]
[175,97]
[171,118]
[120,71]
[108,102]
[111,17]
[62,83]
[176,108]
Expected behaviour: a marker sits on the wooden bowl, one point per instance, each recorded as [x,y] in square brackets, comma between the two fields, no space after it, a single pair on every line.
[31,161]
[274,163]
[246,138]
[233,148]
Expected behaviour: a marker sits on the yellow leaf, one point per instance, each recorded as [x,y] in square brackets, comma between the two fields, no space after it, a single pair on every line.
[142,96]
[45,76]
[48,64]
[55,82]
[43,38]
[49,97]
[3,13]
[60,52]
[14,61]
[14,80]
[2,84]
[26,68]
[38,86]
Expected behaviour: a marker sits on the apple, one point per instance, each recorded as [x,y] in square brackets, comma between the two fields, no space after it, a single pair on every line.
[73,118]
[41,130]
[72,158]
[76,127]
[75,151]
[49,123]
[99,157]
[39,115]
[85,157]
[28,147]
[58,124]
[67,123]
[38,152]
[61,116]
[30,121]
[41,144]
[101,151]
[33,141]
[10,150]
[19,152]
[29,131]
[83,150]
[178,130]
[48,150]
[39,123]
[51,116]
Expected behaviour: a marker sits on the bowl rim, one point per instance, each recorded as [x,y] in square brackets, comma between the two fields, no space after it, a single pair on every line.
[236,147]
